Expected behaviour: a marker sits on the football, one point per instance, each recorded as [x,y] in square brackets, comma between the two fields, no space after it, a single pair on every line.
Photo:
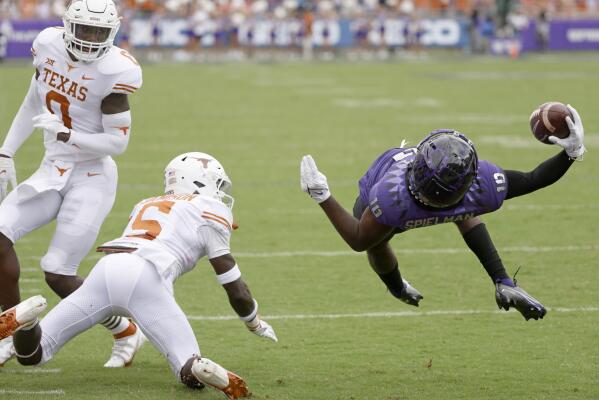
[549,119]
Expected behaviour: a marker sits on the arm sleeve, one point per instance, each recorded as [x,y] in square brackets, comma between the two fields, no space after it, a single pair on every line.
[479,241]
[22,125]
[216,240]
[114,139]
[547,173]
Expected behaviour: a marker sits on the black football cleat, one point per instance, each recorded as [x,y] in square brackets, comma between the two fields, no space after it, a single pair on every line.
[408,294]
[508,296]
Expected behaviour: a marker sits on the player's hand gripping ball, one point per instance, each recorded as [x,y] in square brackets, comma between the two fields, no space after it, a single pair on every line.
[549,119]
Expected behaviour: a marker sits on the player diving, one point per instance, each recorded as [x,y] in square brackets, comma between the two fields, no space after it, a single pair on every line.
[440,180]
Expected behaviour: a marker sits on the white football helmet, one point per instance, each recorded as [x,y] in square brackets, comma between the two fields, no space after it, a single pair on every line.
[90,28]
[198,173]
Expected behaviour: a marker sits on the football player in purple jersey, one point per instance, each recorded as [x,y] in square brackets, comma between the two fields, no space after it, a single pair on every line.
[441,180]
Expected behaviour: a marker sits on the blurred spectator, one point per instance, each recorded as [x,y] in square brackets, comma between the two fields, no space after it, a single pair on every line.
[380,25]
[542,30]
[5,31]
[236,9]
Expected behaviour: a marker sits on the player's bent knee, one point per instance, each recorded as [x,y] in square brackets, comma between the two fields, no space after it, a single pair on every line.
[53,280]
[187,377]
[63,285]
[32,359]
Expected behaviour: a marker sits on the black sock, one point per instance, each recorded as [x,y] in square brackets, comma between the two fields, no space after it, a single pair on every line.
[393,280]
[479,241]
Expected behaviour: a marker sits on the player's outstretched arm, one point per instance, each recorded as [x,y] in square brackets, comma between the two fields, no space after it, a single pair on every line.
[551,170]
[361,234]
[240,297]
[116,121]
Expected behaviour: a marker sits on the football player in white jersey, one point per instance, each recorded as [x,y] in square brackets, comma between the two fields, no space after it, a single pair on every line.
[165,237]
[78,97]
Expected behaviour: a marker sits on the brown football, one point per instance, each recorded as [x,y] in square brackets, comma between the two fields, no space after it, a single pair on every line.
[549,119]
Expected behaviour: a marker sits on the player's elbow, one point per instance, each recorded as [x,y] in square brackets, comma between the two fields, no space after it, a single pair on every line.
[119,147]
[357,246]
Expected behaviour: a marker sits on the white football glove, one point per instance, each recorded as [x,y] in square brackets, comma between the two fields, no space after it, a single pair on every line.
[573,144]
[51,123]
[261,328]
[313,181]
[7,174]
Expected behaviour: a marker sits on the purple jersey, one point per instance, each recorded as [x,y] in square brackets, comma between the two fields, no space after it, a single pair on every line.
[384,188]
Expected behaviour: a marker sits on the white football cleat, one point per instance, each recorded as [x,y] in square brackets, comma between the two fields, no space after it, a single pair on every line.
[125,347]
[23,314]
[7,350]
[211,374]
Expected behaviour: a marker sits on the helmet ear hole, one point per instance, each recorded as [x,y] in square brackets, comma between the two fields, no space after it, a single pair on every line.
[199,184]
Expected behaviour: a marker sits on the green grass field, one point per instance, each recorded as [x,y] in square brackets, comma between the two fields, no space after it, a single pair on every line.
[341,335]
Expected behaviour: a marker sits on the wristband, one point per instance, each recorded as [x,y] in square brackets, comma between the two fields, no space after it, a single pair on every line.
[249,318]
[230,276]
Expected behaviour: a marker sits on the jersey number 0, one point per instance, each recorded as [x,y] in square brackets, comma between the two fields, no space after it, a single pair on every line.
[64,106]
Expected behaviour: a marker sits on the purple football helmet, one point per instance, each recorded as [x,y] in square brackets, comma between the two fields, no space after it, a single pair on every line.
[443,169]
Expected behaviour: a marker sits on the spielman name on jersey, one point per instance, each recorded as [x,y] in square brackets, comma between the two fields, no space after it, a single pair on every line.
[417,223]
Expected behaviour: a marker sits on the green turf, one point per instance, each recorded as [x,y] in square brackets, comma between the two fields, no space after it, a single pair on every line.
[259,120]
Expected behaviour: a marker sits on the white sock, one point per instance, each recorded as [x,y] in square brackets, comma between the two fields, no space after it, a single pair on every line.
[116,324]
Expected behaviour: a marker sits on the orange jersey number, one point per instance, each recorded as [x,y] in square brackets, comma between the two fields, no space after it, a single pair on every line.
[126,54]
[151,227]
[64,106]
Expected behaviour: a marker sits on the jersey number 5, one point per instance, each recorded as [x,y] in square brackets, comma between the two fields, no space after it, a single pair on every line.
[151,227]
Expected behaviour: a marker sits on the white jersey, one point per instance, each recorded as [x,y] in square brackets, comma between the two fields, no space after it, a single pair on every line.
[174,231]
[74,90]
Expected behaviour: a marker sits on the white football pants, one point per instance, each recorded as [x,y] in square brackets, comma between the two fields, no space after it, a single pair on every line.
[78,197]
[123,284]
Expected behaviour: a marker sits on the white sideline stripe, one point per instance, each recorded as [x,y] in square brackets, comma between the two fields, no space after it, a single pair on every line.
[546,207]
[57,392]
[29,280]
[399,314]
[32,371]
[344,253]
[31,290]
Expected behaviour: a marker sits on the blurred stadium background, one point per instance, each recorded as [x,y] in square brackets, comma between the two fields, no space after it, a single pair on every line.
[240,29]
[260,83]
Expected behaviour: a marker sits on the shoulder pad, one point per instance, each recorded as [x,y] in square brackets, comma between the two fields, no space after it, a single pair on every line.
[44,41]
[123,71]
[216,212]
[118,61]
[48,35]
